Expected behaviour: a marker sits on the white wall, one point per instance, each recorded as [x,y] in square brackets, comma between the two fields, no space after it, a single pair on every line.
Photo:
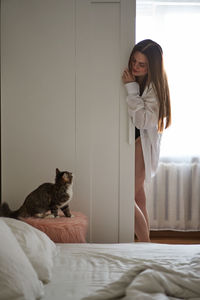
[63,105]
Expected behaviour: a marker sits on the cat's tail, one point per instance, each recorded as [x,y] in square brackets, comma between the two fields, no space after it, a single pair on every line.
[5,211]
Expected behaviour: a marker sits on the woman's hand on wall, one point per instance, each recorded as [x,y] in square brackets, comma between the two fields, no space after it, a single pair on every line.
[127,77]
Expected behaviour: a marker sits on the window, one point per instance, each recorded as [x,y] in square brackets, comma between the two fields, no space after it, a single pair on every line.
[175,26]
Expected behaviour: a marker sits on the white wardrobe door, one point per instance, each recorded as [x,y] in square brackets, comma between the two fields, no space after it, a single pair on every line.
[105,161]
[38,93]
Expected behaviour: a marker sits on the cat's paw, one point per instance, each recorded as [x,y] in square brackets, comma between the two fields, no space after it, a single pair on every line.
[51,216]
[39,215]
[69,216]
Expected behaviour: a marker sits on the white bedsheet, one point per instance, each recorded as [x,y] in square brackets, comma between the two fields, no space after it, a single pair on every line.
[81,269]
[149,280]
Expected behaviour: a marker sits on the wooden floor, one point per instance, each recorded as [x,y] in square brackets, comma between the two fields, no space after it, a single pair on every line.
[174,237]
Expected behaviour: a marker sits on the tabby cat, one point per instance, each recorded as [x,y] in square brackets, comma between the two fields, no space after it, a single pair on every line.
[45,200]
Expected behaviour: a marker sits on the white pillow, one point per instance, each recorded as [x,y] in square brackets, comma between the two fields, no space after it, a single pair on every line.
[38,247]
[18,279]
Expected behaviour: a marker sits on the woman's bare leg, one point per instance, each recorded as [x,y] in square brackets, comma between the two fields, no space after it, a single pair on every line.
[141,216]
[140,199]
[141,227]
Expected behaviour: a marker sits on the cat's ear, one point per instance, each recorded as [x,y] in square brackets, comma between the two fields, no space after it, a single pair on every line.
[57,171]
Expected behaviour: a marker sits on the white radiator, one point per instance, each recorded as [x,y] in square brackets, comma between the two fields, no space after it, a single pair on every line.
[173,197]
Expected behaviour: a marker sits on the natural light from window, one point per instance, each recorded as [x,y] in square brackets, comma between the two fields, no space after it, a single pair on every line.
[175,26]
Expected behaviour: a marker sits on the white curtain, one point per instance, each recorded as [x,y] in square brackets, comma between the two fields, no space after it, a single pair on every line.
[175,26]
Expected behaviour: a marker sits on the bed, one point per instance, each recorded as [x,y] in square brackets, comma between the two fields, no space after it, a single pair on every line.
[34,267]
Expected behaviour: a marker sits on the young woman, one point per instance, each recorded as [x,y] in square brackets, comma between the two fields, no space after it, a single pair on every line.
[150,111]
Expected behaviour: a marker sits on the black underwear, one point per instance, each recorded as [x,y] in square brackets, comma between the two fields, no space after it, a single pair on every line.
[137,133]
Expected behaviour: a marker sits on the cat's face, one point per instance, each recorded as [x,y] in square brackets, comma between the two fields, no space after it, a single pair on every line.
[67,177]
[64,176]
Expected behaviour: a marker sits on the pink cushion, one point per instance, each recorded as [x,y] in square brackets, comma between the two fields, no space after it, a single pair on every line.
[62,230]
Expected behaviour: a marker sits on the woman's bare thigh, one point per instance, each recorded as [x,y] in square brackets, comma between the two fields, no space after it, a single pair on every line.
[139,166]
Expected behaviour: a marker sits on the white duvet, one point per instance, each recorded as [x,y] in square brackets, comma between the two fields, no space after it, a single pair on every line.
[80,270]
[156,281]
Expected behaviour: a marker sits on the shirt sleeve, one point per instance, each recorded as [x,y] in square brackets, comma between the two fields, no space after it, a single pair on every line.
[143,109]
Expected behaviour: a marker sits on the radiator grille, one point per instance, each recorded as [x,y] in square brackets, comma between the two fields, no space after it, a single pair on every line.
[173,197]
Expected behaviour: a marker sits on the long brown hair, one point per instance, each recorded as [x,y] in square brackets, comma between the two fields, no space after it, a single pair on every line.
[157,76]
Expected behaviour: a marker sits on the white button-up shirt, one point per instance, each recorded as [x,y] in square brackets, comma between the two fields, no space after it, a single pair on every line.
[144,113]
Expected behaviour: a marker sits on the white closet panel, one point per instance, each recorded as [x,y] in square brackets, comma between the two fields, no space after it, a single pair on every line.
[38,93]
[104,37]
